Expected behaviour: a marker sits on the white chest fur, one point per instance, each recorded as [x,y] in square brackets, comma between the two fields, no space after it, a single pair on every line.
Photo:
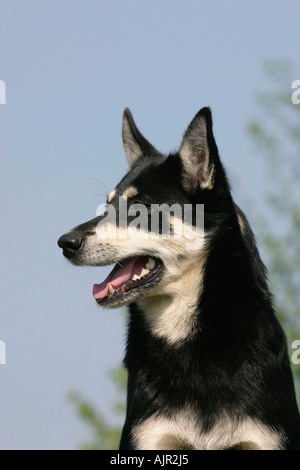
[181,432]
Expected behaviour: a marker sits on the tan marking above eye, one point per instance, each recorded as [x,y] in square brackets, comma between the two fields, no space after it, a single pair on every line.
[111,196]
[130,192]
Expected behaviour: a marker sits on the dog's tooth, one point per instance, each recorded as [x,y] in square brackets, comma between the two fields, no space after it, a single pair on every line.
[136,277]
[111,290]
[151,263]
[144,272]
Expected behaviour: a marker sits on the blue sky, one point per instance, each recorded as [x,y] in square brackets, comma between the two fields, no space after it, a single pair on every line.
[70,68]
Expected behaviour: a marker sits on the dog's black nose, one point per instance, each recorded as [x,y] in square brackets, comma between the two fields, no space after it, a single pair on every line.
[70,243]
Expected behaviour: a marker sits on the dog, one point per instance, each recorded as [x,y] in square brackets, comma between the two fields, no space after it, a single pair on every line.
[207,360]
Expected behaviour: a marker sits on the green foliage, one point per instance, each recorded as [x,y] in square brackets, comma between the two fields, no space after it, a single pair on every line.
[104,435]
[275,134]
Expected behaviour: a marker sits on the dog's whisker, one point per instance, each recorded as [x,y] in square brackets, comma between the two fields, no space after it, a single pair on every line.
[120,264]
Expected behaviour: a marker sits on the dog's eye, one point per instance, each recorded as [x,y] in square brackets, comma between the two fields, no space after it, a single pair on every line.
[144,204]
[139,202]
[140,206]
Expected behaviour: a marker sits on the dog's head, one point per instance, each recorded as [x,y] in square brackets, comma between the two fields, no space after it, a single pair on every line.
[152,227]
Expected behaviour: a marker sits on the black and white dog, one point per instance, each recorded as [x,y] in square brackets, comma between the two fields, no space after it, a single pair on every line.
[207,360]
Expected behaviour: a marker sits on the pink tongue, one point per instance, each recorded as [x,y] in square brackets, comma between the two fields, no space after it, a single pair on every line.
[119,275]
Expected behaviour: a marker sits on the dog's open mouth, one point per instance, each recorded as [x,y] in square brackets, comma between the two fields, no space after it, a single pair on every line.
[128,280]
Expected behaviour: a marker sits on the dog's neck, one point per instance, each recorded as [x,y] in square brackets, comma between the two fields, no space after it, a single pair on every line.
[172,313]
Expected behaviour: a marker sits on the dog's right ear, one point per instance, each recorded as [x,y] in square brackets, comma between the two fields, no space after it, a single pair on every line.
[135,144]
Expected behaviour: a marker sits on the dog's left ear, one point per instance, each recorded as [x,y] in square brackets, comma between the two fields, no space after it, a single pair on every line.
[134,142]
[198,153]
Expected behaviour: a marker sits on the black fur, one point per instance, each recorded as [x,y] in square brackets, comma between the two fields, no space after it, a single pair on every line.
[236,364]
[238,361]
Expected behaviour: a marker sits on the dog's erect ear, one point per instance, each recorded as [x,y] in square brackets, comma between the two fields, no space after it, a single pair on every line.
[135,144]
[198,153]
